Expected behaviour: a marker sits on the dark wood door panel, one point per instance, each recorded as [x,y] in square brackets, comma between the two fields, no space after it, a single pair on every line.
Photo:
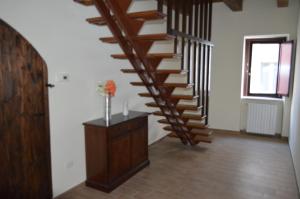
[24,127]
[96,154]
[120,156]
[139,145]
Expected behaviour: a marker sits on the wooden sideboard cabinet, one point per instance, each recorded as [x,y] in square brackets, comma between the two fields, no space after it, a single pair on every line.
[116,151]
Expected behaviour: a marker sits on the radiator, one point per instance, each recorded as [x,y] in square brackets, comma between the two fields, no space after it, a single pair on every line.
[262,118]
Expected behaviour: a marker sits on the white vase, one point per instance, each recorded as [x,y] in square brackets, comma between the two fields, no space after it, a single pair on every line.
[125,108]
[107,109]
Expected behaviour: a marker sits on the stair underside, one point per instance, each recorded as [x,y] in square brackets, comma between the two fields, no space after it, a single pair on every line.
[149,37]
[141,16]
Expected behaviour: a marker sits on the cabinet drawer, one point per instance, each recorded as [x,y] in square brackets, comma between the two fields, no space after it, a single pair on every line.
[122,129]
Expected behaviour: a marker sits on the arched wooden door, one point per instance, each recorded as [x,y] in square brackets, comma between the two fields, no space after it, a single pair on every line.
[25,165]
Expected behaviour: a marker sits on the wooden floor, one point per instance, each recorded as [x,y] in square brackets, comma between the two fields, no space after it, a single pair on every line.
[232,167]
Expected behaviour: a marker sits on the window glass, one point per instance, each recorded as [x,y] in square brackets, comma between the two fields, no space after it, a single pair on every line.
[264,68]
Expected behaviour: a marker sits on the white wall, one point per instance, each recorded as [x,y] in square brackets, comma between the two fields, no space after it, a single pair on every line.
[229,29]
[57,29]
[295,114]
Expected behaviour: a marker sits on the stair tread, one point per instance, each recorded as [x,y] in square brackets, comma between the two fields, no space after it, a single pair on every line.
[148,37]
[171,71]
[85,2]
[168,128]
[184,97]
[159,71]
[197,139]
[146,95]
[178,106]
[196,125]
[184,116]
[173,135]
[144,15]
[193,116]
[139,84]
[202,132]
[150,55]
[178,85]
[191,125]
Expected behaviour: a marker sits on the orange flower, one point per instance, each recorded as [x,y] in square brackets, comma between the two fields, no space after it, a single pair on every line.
[110,87]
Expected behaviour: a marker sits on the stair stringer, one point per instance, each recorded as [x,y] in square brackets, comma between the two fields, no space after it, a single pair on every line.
[125,31]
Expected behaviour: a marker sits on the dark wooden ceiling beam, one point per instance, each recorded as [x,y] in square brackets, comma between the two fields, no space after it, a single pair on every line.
[234,5]
[282,3]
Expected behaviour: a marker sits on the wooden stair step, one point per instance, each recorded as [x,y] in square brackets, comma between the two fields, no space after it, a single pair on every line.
[140,84]
[184,97]
[150,56]
[141,16]
[130,70]
[193,117]
[202,132]
[178,106]
[149,37]
[178,85]
[196,139]
[173,135]
[168,128]
[184,116]
[191,125]
[171,71]
[163,121]
[159,71]
[158,113]
[147,95]
[194,125]
[200,138]
[85,2]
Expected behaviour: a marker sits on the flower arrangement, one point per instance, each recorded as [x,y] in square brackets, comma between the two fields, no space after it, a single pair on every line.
[108,88]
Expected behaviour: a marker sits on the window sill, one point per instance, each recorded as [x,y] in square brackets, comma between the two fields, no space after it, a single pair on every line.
[261,98]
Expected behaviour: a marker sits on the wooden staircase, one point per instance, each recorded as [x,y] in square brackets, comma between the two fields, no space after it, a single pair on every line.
[189,128]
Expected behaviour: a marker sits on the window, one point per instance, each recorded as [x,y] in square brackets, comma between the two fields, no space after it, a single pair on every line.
[267,67]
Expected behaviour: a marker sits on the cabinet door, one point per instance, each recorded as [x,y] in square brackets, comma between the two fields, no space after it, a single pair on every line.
[119,156]
[140,145]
